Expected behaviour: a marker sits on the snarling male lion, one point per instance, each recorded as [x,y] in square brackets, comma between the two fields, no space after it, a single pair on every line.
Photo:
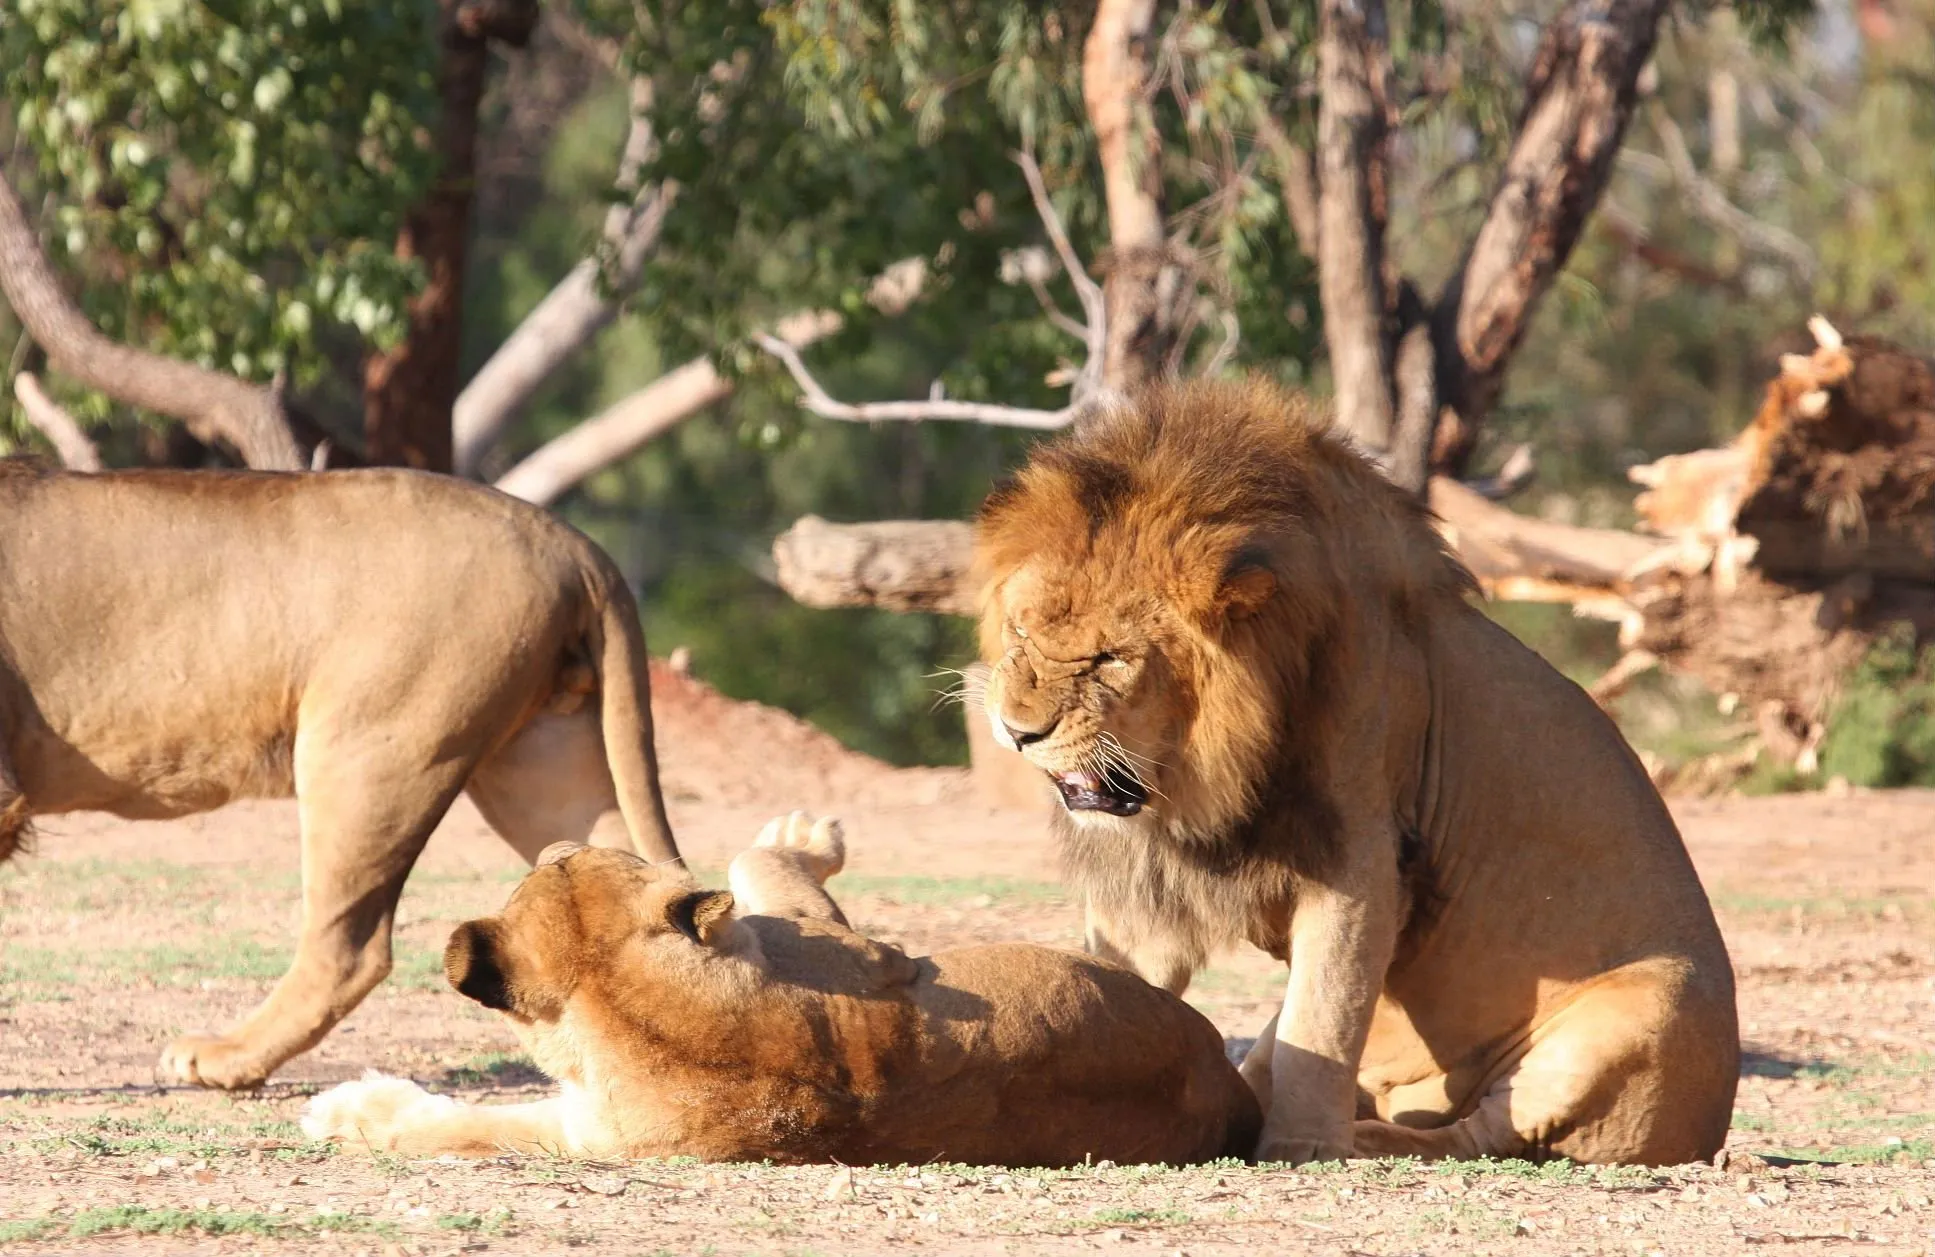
[753,1023]
[1249,666]
[372,642]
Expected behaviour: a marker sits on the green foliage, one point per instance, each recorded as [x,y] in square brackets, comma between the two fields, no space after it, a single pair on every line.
[228,175]
[1882,729]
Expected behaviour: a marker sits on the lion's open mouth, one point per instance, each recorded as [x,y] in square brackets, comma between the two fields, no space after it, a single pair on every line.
[1112,791]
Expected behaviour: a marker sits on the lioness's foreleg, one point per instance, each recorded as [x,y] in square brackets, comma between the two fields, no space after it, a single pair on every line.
[784,872]
[366,811]
[383,1114]
[1343,930]
[1636,1070]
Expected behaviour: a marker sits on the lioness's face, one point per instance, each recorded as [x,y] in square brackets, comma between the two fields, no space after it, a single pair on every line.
[576,913]
[1089,689]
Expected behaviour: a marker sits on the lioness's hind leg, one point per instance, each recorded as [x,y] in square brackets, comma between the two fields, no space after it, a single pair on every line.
[366,812]
[550,784]
[783,874]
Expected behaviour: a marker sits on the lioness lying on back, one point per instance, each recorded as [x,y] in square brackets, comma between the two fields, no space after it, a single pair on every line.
[753,1023]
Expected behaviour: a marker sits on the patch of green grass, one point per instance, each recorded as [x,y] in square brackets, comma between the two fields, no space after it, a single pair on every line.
[1852,909]
[152,1134]
[143,1220]
[947,890]
[1913,1151]
[510,1068]
[1140,1217]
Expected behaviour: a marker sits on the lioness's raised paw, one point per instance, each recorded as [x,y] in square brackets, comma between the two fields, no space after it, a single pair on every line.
[820,845]
[374,1111]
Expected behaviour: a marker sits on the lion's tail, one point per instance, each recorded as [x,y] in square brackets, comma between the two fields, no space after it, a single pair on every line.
[625,689]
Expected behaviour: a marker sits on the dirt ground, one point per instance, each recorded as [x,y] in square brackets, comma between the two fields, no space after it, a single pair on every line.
[115,936]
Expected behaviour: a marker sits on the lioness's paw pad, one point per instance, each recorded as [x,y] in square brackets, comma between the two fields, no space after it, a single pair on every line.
[373,1110]
[822,842]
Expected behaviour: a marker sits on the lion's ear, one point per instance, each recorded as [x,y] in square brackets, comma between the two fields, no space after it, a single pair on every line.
[1248,584]
[473,964]
[703,916]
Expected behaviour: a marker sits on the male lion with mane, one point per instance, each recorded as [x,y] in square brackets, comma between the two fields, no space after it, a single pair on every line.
[371,642]
[753,1023]
[1250,667]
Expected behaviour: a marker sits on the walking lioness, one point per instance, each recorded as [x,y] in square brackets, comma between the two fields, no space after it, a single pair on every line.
[1250,668]
[755,1024]
[369,641]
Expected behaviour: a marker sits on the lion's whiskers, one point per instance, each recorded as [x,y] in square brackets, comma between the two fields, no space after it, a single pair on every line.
[972,688]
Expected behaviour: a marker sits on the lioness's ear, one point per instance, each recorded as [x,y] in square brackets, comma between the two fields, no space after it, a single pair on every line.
[702,916]
[557,851]
[1248,583]
[472,964]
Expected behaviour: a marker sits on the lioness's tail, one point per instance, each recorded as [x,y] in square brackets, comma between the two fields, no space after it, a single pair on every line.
[625,689]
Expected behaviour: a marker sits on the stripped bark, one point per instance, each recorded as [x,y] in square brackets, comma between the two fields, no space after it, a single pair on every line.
[212,404]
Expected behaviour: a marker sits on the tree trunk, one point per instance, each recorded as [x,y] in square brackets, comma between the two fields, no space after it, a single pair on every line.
[1140,287]
[1578,101]
[213,404]
[1352,208]
[410,392]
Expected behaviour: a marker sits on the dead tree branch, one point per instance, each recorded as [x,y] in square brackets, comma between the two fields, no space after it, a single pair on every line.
[628,425]
[582,304]
[1708,201]
[1087,389]
[52,421]
[213,405]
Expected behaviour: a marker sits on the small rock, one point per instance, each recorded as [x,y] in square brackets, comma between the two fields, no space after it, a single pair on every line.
[1105,1165]
[604,1184]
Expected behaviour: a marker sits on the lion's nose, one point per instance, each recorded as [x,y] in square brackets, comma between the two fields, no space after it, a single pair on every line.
[1023,737]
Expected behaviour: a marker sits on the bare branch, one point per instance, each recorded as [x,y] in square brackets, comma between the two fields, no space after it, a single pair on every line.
[582,304]
[817,400]
[213,404]
[628,425]
[1232,336]
[52,421]
[1094,307]
[1710,203]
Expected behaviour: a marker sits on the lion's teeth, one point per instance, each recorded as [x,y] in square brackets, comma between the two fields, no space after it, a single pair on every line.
[1081,780]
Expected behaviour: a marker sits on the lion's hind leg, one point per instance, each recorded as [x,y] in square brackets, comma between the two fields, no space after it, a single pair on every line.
[1638,1069]
[382,1114]
[784,872]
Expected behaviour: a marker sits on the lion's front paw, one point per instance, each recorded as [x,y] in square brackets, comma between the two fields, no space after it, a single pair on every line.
[1303,1147]
[820,845]
[375,1111]
[213,1061]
